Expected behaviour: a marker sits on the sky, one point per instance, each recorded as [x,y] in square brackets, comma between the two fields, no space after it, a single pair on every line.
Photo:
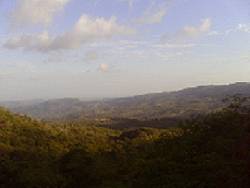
[113,48]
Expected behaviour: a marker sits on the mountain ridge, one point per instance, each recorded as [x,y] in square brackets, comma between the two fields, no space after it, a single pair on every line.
[175,104]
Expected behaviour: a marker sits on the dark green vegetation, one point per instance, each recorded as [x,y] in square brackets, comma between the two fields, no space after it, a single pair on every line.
[123,111]
[212,151]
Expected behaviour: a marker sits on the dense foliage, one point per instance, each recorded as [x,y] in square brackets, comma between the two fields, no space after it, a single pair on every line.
[211,151]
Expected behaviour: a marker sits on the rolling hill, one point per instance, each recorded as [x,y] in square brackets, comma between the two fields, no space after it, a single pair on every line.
[166,105]
[209,151]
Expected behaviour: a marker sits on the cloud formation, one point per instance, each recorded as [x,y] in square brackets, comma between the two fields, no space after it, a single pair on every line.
[103,67]
[40,42]
[244,28]
[30,12]
[190,32]
[155,17]
[195,31]
[86,29]
[155,13]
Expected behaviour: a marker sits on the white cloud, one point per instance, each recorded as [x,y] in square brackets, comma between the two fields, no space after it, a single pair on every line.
[155,13]
[174,46]
[29,12]
[194,31]
[87,29]
[38,42]
[214,33]
[103,67]
[244,28]
[189,32]
[152,18]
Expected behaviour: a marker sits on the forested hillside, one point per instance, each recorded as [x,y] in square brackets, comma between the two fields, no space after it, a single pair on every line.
[205,152]
[166,105]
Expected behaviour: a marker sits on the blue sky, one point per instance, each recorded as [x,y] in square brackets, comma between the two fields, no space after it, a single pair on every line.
[111,48]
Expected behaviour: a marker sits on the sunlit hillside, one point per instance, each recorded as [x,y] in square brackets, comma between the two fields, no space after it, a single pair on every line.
[210,151]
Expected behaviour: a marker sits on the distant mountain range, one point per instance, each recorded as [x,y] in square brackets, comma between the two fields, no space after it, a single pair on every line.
[166,105]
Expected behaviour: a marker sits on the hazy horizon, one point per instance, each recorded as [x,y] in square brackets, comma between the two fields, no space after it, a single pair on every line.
[91,49]
[121,96]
